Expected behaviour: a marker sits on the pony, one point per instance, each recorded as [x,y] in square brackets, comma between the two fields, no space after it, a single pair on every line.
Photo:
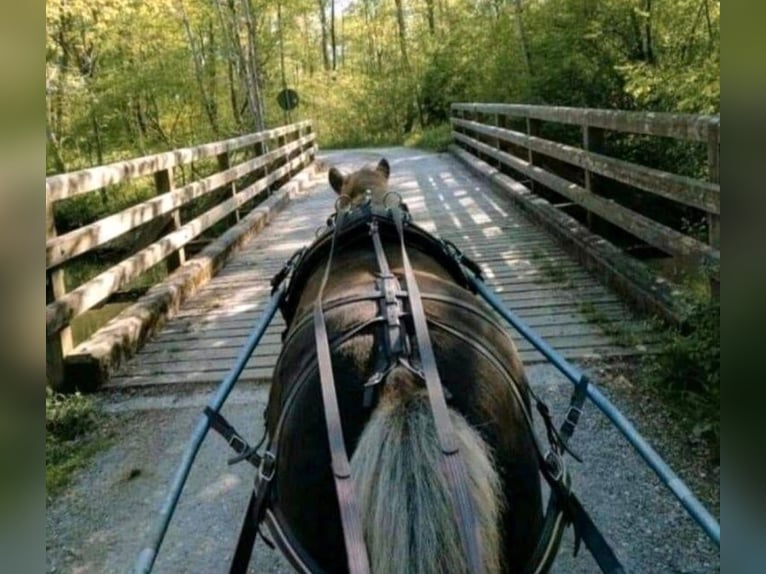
[407,513]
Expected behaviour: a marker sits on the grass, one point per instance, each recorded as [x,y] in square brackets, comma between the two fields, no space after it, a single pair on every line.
[435,138]
[616,329]
[686,368]
[73,434]
[550,272]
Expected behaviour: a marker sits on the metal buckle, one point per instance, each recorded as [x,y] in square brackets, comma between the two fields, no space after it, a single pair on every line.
[555,466]
[268,459]
[238,443]
[573,415]
[397,200]
[343,203]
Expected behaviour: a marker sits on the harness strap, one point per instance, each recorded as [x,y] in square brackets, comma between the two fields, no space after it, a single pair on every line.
[254,514]
[238,444]
[454,465]
[574,412]
[356,552]
[587,531]
[389,302]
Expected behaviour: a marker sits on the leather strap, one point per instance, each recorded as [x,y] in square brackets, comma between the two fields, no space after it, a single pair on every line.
[256,508]
[454,465]
[356,551]
[244,551]
[238,444]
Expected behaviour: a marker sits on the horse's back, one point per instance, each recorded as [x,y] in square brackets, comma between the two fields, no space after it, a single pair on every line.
[478,366]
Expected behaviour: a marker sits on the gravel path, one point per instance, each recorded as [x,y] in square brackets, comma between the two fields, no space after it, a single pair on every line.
[100,523]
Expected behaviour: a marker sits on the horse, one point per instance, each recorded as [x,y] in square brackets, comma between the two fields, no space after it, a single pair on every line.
[407,514]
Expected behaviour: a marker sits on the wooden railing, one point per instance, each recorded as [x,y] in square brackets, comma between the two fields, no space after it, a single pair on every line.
[271,158]
[483,130]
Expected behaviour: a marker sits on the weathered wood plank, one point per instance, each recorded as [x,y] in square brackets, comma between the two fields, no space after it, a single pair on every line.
[654,233]
[59,313]
[67,185]
[91,363]
[57,345]
[701,194]
[229,348]
[221,359]
[641,288]
[264,374]
[680,126]
[163,183]
[257,375]
[64,247]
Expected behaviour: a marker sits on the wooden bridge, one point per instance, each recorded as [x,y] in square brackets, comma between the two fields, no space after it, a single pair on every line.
[531,193]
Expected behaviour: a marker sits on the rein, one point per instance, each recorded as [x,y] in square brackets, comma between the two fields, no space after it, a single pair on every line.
[356,551]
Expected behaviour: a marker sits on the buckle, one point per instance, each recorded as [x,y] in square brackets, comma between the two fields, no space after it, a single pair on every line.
[555,466]
[267,469]
[572,417]
[238,443]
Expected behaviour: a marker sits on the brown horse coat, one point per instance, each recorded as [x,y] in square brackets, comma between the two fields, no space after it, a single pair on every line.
[477,361]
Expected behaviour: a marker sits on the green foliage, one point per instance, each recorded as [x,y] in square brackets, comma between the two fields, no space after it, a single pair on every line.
[68,417]
[688,368]
[71,422]
[433,138]
[125,78]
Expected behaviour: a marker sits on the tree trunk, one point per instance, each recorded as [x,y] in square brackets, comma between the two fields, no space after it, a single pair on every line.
[58,161]
[332,35]
[323,24]
[233,66]
[523,37]
[646,38]
[402,33]
[430,17]
[208,101]
[253,69]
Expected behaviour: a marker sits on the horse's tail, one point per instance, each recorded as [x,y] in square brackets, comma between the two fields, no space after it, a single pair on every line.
[405,500]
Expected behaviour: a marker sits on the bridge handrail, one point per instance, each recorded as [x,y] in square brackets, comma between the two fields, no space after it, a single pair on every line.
[689,191]
[292,148]
[474,132]
[690,127]
[490,139]
[66,185]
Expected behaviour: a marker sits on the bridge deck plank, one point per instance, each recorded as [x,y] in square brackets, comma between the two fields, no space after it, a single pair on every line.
[534,276]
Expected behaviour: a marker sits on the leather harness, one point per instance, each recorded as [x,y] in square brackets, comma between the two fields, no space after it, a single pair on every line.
[415,352]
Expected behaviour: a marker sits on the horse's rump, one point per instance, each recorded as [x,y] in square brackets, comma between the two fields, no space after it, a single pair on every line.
[478,365]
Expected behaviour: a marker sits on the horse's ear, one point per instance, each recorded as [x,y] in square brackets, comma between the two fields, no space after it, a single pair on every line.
[384,168]
[336,180]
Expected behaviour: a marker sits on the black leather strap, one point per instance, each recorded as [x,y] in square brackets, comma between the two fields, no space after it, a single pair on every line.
[238,444]
[356,551]
[587,531]
[455,471]
[244,551]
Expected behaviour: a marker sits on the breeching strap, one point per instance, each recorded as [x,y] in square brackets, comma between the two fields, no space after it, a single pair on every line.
[454,465]
[356,551]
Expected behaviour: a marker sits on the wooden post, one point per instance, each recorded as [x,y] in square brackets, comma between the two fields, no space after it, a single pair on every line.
[498,163]
[163,183]
[713,219]
[533,129]
[502,122]
[714,174]
[58,345]
[224,163]
[592,140]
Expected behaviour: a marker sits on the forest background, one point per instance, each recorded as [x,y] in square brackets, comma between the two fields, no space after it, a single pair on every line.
[130,77]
